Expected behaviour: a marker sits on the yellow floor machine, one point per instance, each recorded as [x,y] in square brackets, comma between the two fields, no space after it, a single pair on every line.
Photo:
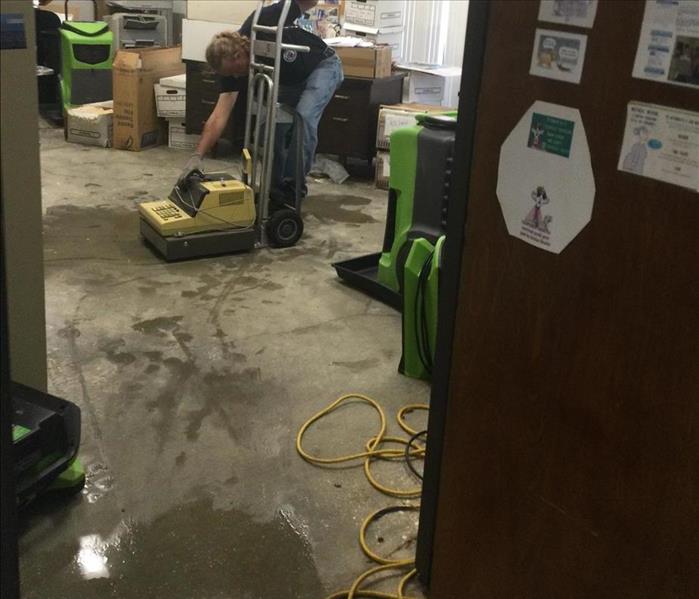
[214,213]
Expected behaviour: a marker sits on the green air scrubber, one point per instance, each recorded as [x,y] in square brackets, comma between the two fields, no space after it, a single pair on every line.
[420,307]
[86,63]
[421,173]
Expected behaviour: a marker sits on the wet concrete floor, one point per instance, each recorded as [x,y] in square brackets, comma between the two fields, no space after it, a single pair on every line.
[193,379]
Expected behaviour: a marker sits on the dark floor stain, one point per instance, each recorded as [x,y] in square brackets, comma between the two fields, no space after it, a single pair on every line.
[94,232]
[159,326]
[190,551]
[222,395]
[70,331]
[147,290]
[181,458]
[152,368]
[154,356]
[358,365]
[169,398]
[332,208]
[92,185]
[114,353]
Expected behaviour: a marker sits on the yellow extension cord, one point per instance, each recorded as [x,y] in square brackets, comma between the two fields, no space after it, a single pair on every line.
[372,451]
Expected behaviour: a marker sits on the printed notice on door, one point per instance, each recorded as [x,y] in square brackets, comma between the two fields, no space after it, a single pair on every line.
[580,13]
[558,55]
[668,49]
[661,143]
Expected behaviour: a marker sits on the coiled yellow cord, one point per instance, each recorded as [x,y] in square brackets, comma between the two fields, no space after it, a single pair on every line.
[373,451]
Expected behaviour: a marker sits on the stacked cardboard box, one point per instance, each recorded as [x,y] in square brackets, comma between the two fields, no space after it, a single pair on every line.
[171,102]
[90,124]
[134,72]
[394,117]
[430,84]
[365,63]
[378,21]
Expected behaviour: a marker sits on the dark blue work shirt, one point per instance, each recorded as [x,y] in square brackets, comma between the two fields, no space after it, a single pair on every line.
[296,67]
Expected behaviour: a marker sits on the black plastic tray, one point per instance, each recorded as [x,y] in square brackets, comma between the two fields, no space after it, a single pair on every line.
[362,274]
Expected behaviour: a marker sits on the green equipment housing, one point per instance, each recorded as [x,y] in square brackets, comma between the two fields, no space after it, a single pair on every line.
[420,182]
[86,63]
[45,440]
[420,307]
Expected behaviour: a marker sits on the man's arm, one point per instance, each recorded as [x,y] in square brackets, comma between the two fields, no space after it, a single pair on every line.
[216,122]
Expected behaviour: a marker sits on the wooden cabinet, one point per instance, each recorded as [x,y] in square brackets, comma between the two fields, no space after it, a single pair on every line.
[202,95]
[348,126]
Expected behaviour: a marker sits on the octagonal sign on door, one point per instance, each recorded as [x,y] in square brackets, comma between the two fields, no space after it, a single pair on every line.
[546,187]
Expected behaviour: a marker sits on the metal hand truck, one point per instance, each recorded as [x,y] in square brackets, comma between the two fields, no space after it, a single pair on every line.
[282,226]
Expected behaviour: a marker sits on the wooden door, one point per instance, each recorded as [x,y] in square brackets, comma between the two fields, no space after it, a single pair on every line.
[570,457]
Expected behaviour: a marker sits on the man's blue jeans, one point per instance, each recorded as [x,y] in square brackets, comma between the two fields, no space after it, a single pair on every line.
[309,99]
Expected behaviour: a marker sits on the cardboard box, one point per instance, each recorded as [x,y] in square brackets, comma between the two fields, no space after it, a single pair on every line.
[366,63]
[375,13]
[387,36]
[383,170]
[426,83]
[178,136]
[395,116]
[134,72]
[170,102]
[90,124]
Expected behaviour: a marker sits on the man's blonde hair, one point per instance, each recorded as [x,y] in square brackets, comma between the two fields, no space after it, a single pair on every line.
[226,44]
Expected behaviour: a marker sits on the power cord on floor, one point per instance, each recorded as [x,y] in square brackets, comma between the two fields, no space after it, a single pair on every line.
[373,450]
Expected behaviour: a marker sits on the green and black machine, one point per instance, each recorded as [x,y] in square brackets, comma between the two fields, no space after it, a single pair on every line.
[46,439]
[86,61]
[420,179]
[405,274]
[420,307]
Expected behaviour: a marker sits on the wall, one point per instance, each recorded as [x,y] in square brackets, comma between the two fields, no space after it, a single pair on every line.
[83,9]
[234,12]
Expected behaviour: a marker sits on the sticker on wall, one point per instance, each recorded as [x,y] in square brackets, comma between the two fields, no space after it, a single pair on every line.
[546,187]
[661,143]
[668,48]
[580,13]
[558,55]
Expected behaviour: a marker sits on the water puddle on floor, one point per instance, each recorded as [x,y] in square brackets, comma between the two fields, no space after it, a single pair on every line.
[192,551]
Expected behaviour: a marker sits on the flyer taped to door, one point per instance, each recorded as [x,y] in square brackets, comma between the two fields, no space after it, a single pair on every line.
[661,143]
[668,49]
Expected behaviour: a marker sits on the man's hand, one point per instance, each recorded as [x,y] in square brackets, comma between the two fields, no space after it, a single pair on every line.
[195,162]
[306,5]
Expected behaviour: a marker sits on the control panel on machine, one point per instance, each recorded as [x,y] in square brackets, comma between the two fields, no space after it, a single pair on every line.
[204,202]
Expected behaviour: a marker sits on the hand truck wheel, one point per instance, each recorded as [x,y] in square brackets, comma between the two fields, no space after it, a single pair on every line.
[284,228]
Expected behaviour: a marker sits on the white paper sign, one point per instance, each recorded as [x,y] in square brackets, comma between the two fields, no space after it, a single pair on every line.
[661,143]
[546,187]
[668,49]
[558,55]
[580,13]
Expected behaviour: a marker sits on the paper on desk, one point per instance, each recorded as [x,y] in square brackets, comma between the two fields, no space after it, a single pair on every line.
[348,42]
[430,69]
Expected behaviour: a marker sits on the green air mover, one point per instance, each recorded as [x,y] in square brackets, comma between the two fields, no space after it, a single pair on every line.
[45,439]
[86,62]
[421,172]
[420,307]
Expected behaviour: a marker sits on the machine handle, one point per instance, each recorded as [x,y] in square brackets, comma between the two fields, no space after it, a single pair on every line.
[209,102]
[341,97]
[340,119]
